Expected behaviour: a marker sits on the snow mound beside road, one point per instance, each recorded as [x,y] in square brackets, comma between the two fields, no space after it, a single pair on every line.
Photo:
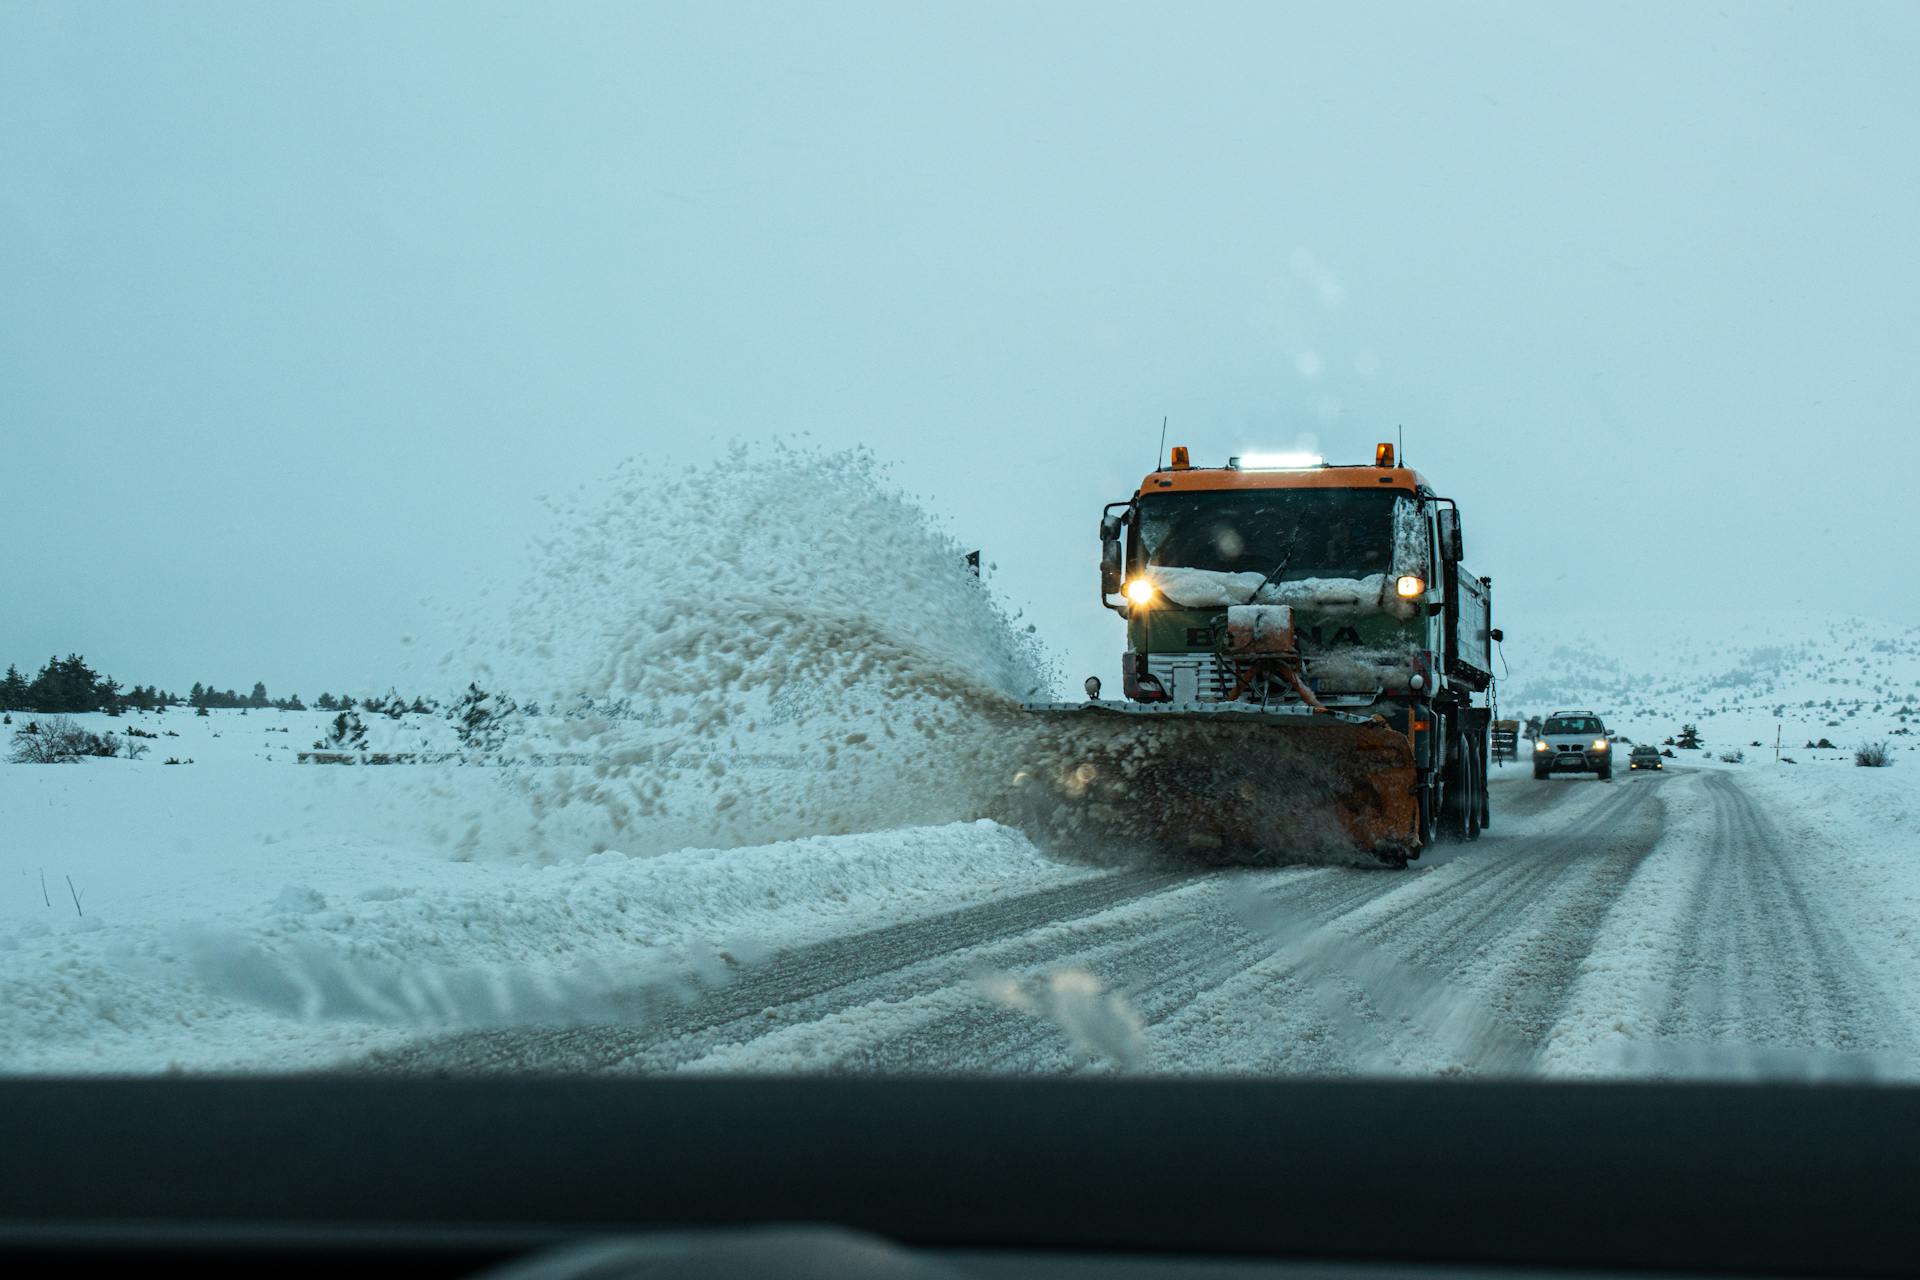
[304,951]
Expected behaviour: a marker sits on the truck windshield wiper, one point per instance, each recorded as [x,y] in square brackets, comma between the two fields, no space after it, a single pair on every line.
[1286,558]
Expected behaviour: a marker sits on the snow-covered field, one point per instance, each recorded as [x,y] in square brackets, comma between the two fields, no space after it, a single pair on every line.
[248,911]
[1745,679]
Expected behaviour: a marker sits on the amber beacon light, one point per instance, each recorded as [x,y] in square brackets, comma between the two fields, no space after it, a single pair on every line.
[1383,454]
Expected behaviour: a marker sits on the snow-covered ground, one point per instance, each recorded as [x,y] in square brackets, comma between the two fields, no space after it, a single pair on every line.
[249,911]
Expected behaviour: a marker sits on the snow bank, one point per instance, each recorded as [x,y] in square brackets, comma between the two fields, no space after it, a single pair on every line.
[254,917]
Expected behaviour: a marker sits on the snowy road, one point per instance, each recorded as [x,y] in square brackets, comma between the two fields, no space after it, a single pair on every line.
[1660,923]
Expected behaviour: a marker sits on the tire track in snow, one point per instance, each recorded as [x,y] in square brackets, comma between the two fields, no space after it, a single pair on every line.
[1166,963]
[1767,968]
[795,980]
[1464,972]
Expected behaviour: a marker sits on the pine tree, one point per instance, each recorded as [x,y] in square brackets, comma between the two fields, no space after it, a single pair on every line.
[479,718]
[13,690]
[258,698]
[325,702]
[197,696]
[346,733]
[1689,739]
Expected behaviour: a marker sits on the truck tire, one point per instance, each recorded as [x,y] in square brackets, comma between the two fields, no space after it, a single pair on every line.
[1539,774]
[1606,772]
[1473,773]
[1458,806]
[1429,805]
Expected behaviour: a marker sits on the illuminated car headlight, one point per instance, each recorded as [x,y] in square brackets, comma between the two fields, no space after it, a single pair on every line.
[1140,591]
[1599,744]
[1410,585]
[1540,744]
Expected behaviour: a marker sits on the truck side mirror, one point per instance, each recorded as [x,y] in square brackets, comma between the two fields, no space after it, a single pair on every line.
[1109,528]
[1452,547]
[1109,565]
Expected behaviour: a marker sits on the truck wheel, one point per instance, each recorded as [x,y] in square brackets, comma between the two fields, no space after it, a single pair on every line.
[1606,772]
[1457,803]
[1429,815]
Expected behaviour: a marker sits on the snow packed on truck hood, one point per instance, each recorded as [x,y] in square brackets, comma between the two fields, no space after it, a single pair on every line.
[1212,589]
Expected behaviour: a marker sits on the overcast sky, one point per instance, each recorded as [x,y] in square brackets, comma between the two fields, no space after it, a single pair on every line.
[302,305]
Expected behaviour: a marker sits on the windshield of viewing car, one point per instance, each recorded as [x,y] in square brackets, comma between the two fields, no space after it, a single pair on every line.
[1318,533]
[580,539]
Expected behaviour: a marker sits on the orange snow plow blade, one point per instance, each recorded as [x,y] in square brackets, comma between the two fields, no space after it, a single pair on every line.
[1230,781]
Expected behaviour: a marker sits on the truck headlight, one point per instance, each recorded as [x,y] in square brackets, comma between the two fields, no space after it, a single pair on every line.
[1410,585]
[1140,591]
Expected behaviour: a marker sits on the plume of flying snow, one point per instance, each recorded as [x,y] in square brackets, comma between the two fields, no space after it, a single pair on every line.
[778,645]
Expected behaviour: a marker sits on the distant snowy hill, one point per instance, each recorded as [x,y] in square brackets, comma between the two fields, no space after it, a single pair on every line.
[1738,676]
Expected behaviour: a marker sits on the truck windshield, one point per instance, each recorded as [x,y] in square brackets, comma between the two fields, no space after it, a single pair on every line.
[1573,724]
[1333,533]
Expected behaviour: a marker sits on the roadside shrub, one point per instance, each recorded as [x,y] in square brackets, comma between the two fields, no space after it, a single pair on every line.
[58,741]
[1825,744]
[1872,755]
[481,718]
[1734,757]
[346,733]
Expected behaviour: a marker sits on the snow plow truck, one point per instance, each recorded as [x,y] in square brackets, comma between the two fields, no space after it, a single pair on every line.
[1307,667]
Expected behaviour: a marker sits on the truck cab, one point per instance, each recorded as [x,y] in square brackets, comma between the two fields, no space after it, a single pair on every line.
[1354,574]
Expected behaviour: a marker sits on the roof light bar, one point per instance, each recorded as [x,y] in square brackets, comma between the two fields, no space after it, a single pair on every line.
[1279,461]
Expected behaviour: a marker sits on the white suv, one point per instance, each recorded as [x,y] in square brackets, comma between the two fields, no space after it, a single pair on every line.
[1573,742]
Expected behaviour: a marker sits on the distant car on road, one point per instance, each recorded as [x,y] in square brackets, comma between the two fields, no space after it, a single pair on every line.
[1644,757]
[1573,742]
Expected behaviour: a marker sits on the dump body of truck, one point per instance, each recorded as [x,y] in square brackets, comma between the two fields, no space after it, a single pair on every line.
[1312,632]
